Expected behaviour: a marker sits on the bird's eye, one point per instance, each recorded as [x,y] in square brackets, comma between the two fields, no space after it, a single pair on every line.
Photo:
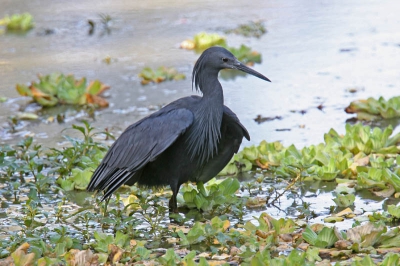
[225,59]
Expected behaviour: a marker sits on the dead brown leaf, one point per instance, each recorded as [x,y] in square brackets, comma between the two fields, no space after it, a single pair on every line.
[303,246]
[333,252]
[94,99]
[286,237]
[21,257]
[76,257]
[387,250]
[366,234]
[352,108]
[7,261]
[262,234]
[262,165]
[385,193]
[342,244]
[347,213]
[115,253]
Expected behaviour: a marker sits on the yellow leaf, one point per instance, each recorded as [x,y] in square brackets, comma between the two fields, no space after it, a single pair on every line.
[21,258]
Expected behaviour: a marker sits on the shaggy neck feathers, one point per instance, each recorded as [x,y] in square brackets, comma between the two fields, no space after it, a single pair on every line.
[204,136]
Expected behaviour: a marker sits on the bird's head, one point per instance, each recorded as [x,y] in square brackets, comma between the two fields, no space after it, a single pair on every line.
[216,58]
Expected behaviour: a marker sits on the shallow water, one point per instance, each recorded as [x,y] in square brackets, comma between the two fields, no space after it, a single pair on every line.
[312,52]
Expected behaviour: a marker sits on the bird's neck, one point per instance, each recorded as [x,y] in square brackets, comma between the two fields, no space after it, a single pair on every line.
[211,88]
[205,134]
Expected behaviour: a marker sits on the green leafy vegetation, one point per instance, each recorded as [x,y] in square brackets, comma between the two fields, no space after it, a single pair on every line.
[373,109]
[55,222]
[251,29]
[159,75]
[56,88]
[203,40]
[246,55]
[17,22]
[363,155]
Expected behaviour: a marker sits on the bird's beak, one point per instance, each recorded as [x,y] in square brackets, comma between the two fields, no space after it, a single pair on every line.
[240,66]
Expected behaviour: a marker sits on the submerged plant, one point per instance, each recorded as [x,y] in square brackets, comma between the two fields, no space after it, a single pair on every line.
[251,29]
[57,88]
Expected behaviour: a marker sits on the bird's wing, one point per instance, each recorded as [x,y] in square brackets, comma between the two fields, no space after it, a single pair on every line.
[139,144]
[233,116]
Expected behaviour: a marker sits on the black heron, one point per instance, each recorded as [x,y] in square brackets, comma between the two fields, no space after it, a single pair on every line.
[190,139]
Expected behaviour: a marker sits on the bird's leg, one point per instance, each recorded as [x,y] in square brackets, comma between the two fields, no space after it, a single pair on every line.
[173,204]
[106,201]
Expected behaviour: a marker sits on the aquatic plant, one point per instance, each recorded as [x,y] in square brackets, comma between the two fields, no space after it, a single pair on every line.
[245,54]
[56,88]
[363,154]
[159,75]
[128,228]
[373,109]
[250,29]
[203,40]
[17,22]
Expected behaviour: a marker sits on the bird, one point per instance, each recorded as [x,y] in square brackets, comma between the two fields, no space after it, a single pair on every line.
[190,139]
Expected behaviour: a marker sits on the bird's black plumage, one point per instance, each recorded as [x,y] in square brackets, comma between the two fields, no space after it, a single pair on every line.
[190,139]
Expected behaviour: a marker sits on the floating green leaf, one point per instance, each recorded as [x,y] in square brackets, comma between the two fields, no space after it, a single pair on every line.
[372,109]
[57,88]
[18,22]
[346,200]
[245,54]
[204,40]
[159,75]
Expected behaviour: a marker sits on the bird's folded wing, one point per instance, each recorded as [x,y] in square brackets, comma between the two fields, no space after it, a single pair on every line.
[228,112]
[139,144]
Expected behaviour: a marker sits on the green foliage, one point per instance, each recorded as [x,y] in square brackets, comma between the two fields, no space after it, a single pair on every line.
[394,211]
[124,234]
[57,88]
[245,54]
[363,154]
[295,258]
[373,109]
[366,261]
[18,22]
[159,75]
[251,29]
[346,200]
[215,197]
[203,41]
[324,239]
[391,259]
